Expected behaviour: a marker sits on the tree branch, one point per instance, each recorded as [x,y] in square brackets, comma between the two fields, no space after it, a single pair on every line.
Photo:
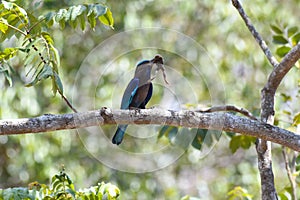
[267,113]
[255,34]
[185,118]
[67,101]
[243,111]
[275,78]
[291,177]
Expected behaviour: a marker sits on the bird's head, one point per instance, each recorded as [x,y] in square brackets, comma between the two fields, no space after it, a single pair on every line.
[158,59]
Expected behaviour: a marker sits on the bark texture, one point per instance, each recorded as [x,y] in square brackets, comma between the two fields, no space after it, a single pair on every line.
[185,118]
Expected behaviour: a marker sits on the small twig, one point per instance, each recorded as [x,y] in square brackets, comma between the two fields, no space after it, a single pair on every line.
[228,108]
[67,101]
[34,25]
[289,171]
[16,29]
[255,34]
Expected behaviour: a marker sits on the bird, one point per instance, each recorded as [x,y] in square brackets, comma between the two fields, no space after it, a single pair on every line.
[138,92]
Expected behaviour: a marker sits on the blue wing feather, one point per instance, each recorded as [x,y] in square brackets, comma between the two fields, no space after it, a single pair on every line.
[149,95]
[129,93]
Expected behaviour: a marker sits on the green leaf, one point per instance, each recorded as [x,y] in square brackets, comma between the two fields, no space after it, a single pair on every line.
[276,29]
[73,24]
[49,18]
[29,59]
[8,53]
[291,31]
[285,97]
[184,137]
[6,69]
[90,9]
[7,5]
[43,74]
[296,39]
[56,58]
[296,120]
[8,78]
[279,39]
[77,11]
[107,19]
[298,160]
[199,138]
[234,144]
[81,20]
[47,38]
[92,21]
[230,134]
[35,25]
[162,131]
[58,83]
[283,196]
[3,26]
[239,193]
[241,141]
[62,24]
[282,51]
[60,15]
[99,10]
[56,183]
[12,17]
[172,134]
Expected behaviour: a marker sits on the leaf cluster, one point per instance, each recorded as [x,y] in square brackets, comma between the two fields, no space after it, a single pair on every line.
[41,57]
[62,187]
[183,137]
[286,38]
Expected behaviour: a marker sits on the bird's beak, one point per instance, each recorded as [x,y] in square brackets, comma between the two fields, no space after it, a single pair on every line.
[158,60]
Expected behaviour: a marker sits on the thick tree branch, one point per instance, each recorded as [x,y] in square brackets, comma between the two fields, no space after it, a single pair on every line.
[255,34]
[267,114]
[185,118]
[275,78]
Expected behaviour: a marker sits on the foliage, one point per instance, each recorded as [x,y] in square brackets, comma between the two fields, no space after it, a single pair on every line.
[286,37]
[239,193]
[41,56]
[184,137]
[241,141]
[62,187]
[199,137]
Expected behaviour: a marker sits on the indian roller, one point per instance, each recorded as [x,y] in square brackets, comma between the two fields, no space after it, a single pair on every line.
[138,92]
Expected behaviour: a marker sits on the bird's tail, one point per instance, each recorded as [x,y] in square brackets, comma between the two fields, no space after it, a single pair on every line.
[118,137]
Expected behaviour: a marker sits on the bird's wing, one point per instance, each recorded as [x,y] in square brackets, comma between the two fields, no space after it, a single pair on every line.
[149,95]
[129,93]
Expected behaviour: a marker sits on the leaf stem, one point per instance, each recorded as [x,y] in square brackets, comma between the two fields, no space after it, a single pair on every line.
[15,28]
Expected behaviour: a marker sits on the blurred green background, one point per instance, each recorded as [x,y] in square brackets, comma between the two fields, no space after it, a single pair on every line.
[223,65]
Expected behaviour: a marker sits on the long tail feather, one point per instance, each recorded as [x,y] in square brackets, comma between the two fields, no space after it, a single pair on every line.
[118,137]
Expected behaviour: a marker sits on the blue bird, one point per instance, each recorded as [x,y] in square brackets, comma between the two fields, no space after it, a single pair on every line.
[138,92]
